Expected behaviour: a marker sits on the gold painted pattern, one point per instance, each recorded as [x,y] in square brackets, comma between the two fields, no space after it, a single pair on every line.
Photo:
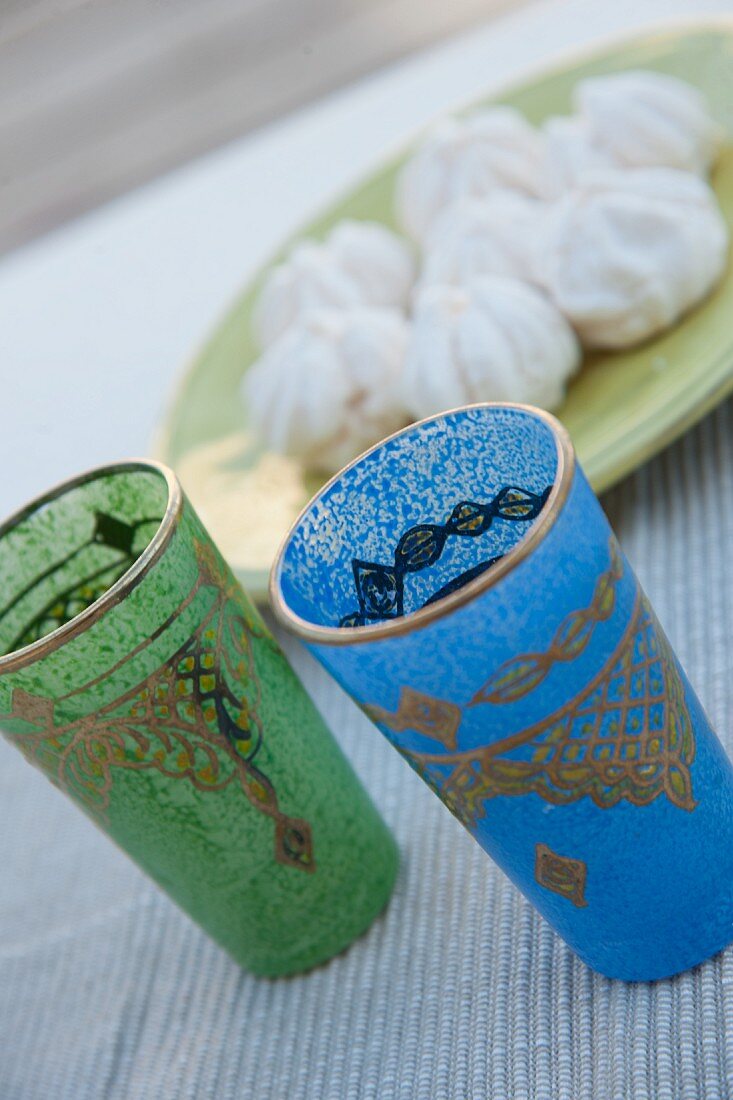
[561,874]
[627,736]
[521,675]
[434,718]
[195,718]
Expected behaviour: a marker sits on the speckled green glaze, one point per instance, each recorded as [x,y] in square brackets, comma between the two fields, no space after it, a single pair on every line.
[137,675]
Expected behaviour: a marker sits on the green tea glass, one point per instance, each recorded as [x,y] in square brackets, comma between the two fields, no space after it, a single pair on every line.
[138,677]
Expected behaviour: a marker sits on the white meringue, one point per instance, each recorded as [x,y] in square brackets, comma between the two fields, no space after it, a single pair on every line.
[492,236]
[378,261]
[329,386]
[496,339]
[310,278]
[628,252]
[569,152]
[469,156]
[648,119]
[359,263]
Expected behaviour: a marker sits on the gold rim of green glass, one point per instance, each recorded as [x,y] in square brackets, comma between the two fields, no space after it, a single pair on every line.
[123,585]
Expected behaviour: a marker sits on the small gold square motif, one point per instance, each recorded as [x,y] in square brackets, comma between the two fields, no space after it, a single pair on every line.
[434,718]
[561,874]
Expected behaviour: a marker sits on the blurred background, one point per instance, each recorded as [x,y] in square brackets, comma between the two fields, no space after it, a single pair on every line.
[98,96]
[153,153]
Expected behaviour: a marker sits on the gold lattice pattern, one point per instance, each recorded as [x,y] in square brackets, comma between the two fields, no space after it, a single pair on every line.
[627,735]
[195,718]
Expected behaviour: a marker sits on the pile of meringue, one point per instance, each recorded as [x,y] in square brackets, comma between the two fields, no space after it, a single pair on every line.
[598,230]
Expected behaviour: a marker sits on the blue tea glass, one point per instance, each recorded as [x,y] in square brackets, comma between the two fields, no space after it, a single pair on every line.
[461,582]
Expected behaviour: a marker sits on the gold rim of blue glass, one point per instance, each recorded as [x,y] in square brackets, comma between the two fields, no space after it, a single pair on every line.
[405,624]
[124,584]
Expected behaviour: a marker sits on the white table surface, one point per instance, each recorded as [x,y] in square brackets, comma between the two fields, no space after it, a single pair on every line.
[96,322]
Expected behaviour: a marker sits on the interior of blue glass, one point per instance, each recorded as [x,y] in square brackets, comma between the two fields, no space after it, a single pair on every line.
[62,554]
[419,517]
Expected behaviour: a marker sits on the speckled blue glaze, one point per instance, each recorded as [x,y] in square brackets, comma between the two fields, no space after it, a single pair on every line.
[368,508]
[507,695]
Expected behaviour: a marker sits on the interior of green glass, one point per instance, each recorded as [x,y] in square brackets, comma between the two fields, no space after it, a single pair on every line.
[62,553]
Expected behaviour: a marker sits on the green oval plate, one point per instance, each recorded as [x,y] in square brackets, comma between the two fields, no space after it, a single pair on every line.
[621,409]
